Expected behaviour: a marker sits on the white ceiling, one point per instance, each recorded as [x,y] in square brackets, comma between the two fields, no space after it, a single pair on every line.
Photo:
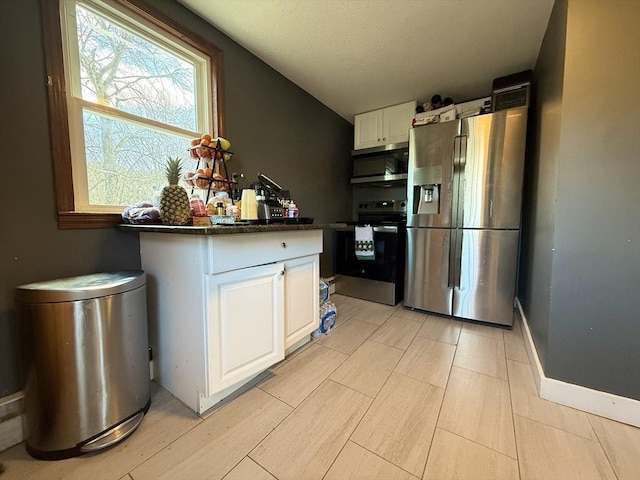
[360,55]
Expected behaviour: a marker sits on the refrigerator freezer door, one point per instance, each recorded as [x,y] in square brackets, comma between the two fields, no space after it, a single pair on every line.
[493,169]
[486,287]
[427,278]
[429,180]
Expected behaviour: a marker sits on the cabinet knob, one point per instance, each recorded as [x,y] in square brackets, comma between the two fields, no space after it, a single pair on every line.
[284,244]
[282,273]
[384,139]
[378,139]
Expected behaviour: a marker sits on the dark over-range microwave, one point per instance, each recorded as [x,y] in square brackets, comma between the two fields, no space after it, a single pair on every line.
[384,163]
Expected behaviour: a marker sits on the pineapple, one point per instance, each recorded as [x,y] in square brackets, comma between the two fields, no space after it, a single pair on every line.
[174,202]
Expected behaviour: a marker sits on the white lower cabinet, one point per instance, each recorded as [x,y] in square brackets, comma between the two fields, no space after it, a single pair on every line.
[224,308]
[301,294]
[245,332]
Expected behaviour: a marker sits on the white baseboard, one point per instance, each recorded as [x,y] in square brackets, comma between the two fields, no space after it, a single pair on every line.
[11,421]
[11,433]
[603,404]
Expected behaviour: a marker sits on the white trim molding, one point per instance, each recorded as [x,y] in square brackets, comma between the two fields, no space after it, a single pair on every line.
[603,404]
[11,432]
[11,421]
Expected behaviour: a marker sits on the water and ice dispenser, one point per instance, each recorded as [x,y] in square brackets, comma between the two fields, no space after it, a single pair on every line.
[427,185]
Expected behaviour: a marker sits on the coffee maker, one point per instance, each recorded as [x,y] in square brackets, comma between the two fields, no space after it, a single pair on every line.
[270,197]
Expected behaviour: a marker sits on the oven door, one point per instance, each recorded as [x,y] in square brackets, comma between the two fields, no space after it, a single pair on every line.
[389,254]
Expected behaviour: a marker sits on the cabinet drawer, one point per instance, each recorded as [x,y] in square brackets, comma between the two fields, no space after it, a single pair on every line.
[231,252]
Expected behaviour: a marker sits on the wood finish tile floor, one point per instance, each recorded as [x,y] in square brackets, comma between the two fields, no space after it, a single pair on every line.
[388,394]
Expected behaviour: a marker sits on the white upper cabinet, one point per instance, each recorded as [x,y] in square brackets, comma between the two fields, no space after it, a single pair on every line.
[397,122]
[368,130]
[382,127]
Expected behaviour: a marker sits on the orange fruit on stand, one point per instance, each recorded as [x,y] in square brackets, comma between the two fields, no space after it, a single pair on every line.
[200,181]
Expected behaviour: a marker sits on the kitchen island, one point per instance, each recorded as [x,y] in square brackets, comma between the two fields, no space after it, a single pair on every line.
[226,302]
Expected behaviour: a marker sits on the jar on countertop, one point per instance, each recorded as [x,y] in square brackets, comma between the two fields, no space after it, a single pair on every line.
[197,206]
[293,210]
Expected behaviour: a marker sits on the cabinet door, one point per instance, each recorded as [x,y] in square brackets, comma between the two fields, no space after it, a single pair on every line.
[244,324]
[301,298]
[368,130]
[396,122]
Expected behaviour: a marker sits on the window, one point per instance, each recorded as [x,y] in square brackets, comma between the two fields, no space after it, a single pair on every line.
[127,88]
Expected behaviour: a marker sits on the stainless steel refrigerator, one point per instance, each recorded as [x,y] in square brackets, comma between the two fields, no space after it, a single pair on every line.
[464,193]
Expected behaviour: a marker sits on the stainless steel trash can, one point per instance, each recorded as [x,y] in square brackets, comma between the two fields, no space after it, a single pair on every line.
[87,384]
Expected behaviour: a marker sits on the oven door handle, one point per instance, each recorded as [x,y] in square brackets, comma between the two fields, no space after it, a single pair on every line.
[376,229]
[385,229]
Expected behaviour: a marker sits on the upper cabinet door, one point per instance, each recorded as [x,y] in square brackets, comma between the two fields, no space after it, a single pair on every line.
[368,129]
[397,122]
[385,126]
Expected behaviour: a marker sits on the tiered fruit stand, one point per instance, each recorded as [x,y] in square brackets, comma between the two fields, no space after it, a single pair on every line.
[211,159]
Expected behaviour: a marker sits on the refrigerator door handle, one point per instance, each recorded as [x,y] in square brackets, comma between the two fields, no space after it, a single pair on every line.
[459,257]
[455,180]
[456,151]
[452,257]
[455,256]
[459,151]
[463,150]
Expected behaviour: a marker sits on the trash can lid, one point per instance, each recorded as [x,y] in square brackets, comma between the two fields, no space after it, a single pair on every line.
[80,288]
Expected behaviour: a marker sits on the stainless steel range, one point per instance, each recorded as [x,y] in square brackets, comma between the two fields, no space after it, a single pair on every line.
[380,278]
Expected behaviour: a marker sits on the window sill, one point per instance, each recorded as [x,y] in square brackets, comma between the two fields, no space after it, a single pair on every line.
[72,220]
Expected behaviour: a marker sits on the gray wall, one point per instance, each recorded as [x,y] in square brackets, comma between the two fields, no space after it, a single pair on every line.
[585,232]
[540,184]
[275,128]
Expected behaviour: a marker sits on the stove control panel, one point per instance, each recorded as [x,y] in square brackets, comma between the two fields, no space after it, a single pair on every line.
[383,206]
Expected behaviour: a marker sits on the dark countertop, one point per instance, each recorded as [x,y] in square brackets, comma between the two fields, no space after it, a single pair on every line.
[220,229]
